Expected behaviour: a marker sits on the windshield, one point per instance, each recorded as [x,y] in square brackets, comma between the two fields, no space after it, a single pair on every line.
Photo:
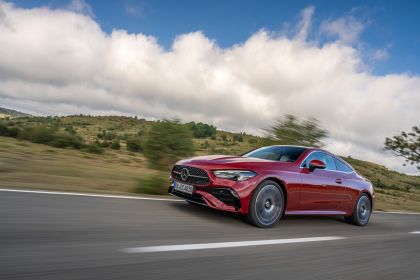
[278,153]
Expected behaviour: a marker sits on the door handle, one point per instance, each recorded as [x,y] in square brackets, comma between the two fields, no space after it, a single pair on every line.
[338,181]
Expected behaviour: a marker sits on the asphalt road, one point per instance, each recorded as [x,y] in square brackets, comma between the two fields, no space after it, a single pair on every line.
[53,236]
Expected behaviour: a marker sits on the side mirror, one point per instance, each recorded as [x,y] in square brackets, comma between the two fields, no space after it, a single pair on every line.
[314,164]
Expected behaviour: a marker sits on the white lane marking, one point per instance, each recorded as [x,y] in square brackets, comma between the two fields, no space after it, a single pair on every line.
[397,212]
[217,245]
[89,195]
[415,232]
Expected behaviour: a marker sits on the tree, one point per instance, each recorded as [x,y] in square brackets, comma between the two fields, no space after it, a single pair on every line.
[202,130]
[406,145]
[166,142]
[289,130]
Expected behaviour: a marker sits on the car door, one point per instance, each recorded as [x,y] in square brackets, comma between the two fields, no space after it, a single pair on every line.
[321,189]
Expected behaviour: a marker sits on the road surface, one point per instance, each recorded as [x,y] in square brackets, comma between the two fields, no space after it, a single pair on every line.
[56,236]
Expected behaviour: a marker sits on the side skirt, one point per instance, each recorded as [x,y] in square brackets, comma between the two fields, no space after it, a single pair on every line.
[310,212]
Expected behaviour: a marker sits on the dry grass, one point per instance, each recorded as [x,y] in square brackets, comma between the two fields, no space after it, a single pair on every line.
[27,165]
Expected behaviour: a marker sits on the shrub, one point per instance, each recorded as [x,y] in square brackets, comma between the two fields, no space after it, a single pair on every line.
[64,141]
[51,136]
[202,130]
[166,142]
[9,131]
[152,184]
[134,144]
[115,145]
[94,149]
[4,131]
[238,137]
[106,135]
[39,134]
[252,141]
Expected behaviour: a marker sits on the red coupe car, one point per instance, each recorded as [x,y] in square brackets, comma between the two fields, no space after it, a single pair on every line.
[271,181]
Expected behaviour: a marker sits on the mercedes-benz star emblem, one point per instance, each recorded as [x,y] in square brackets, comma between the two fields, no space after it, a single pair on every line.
[184,174]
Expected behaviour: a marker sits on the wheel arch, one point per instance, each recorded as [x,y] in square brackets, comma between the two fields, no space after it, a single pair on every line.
[282,186]
[369,195]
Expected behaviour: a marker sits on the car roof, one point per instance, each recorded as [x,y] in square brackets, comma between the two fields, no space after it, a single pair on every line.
[291,146]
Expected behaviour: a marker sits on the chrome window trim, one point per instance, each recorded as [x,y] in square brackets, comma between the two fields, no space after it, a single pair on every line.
[346,164]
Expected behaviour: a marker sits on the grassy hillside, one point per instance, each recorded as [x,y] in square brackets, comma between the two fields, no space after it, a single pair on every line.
[24,164]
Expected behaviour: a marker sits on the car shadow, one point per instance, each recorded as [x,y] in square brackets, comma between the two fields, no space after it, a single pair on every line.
[291,219]
[211,214]
[208,213]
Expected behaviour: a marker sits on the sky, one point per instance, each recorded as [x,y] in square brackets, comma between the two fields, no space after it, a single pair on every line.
[239,65]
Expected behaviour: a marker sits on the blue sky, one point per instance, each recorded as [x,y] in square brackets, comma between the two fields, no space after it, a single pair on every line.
[390,26]
[239,65]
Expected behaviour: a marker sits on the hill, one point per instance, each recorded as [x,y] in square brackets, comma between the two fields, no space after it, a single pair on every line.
[24,164]
[8,113]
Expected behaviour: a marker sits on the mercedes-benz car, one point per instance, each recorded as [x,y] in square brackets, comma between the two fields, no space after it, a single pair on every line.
[269,182]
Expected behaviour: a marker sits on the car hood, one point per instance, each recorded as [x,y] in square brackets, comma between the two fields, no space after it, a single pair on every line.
[226,162]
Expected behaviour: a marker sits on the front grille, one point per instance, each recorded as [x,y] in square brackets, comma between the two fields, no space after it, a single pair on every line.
[196,176]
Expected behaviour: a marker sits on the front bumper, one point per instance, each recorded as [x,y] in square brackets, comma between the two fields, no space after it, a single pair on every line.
[221,194]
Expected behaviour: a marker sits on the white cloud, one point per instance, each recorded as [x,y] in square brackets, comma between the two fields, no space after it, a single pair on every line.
[133,9]
[81,7]
[347,29]
[61,62]
[379,55]
[305,23]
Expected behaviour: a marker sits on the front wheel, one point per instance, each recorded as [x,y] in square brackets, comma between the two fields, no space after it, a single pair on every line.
[361,212]
[266,206]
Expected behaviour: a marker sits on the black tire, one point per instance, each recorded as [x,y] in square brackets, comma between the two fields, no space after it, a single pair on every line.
[361,212]
[267,205]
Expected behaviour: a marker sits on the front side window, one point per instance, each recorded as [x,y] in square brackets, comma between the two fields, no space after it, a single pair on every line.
[327,159]
[278,153]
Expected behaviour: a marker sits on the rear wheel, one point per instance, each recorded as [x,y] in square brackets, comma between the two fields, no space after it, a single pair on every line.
[361,212]
[267,204]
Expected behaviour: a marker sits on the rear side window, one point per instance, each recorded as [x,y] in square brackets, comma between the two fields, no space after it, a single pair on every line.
[341,166]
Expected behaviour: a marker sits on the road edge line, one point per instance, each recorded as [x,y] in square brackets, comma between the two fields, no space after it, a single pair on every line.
[88,194]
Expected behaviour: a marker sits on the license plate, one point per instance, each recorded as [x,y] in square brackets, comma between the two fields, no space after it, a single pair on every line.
[183,188]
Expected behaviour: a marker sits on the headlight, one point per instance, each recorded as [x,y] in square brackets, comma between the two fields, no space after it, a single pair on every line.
[236,175]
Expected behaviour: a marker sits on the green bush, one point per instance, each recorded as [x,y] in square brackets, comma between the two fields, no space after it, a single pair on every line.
[39,134]
[51,136]
[9,131]
[238,137]
[106,135]
[166,142]
[252,141]
[202,130]
[134,144]
[93,149]
[152,184]
[115,145]
[63,140]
